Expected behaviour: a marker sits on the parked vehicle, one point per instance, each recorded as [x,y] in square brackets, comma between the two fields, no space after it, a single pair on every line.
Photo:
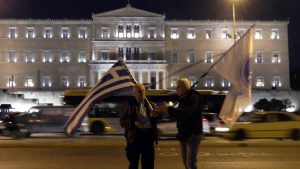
[167,127]
[213,120]
[266,125]
[45,119]
[10,127]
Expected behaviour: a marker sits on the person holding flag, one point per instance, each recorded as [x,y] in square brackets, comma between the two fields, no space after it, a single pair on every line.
[139,120]
[189,121]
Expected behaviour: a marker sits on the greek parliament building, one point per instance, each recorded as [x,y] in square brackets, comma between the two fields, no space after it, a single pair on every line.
[45,57]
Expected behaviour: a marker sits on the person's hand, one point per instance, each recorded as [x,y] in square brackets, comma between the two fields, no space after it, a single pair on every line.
[154,113]
[164,107]
[138,124]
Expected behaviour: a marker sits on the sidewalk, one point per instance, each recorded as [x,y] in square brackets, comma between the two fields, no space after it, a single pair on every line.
[119,141]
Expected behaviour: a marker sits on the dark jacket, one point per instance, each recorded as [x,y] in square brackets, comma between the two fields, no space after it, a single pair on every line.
[130,115]
[188,115]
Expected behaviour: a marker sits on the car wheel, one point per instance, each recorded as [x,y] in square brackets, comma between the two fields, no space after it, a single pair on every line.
[27,134]
[97,128]
[295,134]
[240,135]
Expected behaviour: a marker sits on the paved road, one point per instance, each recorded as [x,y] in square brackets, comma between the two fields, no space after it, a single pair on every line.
[86,152]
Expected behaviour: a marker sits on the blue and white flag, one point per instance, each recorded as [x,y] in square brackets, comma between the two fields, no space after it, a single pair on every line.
[235,67]
[117,80]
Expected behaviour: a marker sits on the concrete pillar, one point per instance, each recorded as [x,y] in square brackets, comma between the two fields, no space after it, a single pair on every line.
[157,80]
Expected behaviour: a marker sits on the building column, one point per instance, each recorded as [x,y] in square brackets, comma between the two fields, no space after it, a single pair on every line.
[157,80]
[141,77]
[164,78]
[149,77]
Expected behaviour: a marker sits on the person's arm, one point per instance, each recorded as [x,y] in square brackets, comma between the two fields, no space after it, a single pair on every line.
[187,110]
[125,120]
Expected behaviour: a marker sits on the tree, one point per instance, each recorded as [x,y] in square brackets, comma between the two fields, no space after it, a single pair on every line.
[273,105]
[262,105]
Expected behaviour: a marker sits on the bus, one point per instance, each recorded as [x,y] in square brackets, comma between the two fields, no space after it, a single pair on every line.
[105,114]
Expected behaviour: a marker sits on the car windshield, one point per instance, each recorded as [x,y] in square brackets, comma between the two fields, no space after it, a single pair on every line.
[245,117]
[258,118]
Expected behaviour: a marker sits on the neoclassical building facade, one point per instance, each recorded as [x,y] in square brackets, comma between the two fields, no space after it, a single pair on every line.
[55,55]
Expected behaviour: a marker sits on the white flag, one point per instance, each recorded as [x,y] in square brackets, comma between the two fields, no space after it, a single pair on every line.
[235,67]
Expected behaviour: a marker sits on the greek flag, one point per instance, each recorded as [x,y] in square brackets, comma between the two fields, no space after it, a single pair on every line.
[235,67]
[117,79]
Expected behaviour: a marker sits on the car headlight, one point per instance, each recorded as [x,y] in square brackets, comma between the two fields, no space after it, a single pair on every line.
[222,129]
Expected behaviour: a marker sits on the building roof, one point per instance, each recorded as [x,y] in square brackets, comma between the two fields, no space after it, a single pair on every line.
[127,11]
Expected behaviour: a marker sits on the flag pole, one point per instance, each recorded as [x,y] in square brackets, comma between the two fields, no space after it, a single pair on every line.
[129,73]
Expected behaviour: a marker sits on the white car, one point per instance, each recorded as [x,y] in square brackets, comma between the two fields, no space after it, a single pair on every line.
[167,128]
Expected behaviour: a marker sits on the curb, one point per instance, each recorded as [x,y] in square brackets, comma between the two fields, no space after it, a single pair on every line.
[106,142]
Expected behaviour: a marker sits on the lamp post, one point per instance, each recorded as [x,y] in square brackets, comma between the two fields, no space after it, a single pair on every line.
[233,20]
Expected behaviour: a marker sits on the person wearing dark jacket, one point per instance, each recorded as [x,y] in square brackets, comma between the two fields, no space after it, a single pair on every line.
[139,120]
[189,121]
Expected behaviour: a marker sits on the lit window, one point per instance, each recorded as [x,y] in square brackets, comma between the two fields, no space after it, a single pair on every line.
[260,81]
[193,80]
[65,81]
[47,32]
[82,33]
[47,81]
[174,33]
[174,57]
[225,83]
[65,57]
[275,57]
[30,32]
[13,32]
[225,34]
[174,80]
[28,81]
[120,31]
[65,33]
[12,58]
[191,57]
[11,81]
[151,56]
[128,54]
[82,57]
[128,31]
[208,57]
[208,33]
[276,81]
[136,53]
[274,34]
[258,34]
[136,31]
[120,52]
[191,33]
[258,57]
[29,57]
[81,81]
[209,82]
[151,32]
[47,58]
[240,32]
[104,32]
[104,55]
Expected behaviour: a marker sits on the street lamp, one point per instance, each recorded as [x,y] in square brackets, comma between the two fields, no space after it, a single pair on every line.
[233,20]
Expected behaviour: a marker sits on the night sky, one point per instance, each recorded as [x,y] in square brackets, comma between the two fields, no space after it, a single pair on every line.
[174,9]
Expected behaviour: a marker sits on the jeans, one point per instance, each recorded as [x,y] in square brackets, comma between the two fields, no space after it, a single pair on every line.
[189,151]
